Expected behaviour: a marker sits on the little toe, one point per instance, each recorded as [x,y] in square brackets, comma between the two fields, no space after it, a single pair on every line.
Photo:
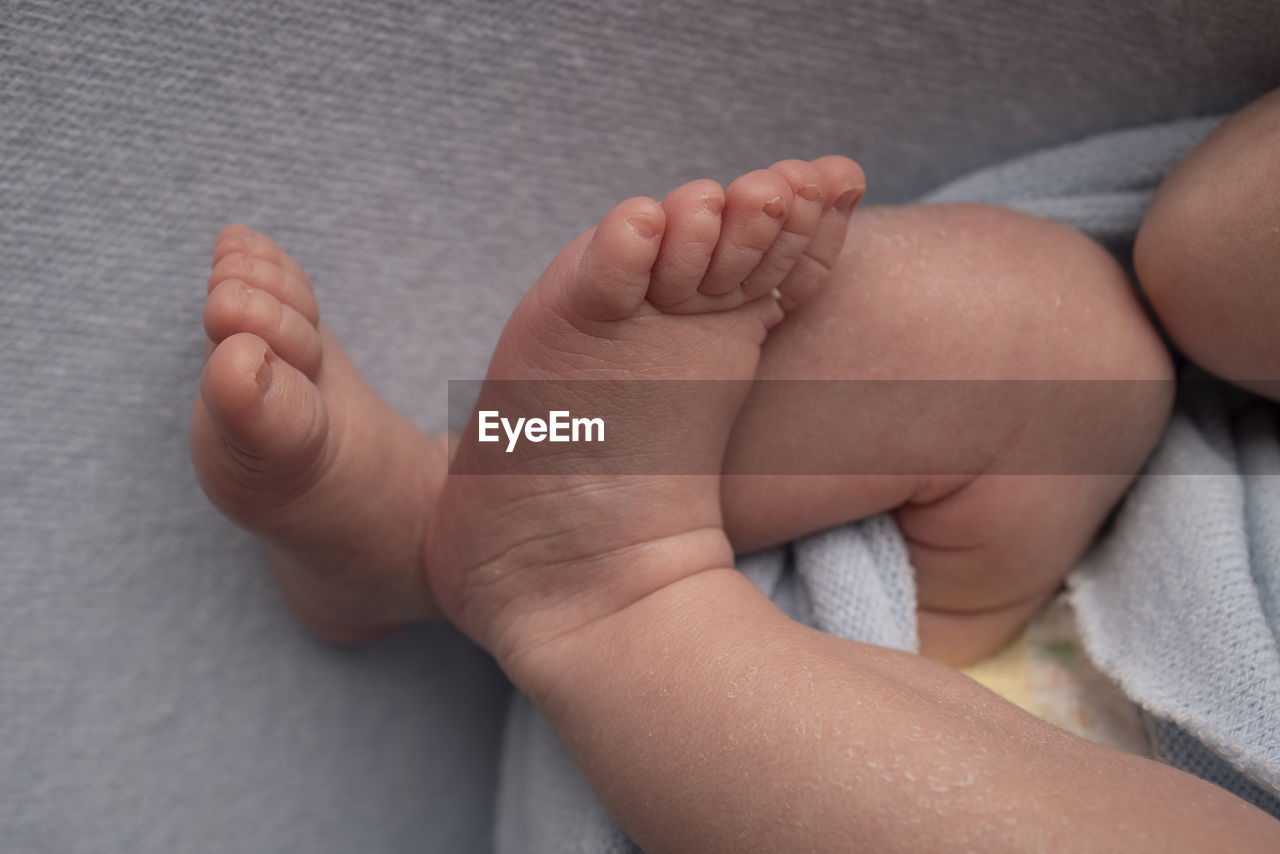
[241,239]
[756,207]
[844,186]
[846,183]
[259,427]
[233,306]
[605,273]
[291,288]
[688,240]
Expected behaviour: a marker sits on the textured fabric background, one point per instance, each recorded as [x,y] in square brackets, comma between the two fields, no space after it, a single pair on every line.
[1178,604]
[424,161]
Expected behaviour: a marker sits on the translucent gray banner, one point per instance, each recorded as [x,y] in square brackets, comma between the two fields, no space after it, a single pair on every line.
[818,427]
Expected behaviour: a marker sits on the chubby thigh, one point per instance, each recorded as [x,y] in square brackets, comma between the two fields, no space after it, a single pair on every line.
[988,376]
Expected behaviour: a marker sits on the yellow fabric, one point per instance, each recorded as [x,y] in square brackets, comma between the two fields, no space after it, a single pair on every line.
[1046,672]
[1008,673]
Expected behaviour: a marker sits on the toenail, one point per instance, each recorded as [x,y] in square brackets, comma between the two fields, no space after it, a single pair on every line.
[775,208]
[848,199]
[263,374]
[809,192]
[643,226]
[713,202]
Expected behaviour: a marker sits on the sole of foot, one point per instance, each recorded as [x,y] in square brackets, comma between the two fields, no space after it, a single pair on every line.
[684,289]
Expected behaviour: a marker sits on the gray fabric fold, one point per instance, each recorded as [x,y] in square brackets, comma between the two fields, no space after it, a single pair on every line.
[1178,603]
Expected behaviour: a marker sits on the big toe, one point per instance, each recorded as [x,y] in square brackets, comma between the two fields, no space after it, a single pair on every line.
[258,428]
[605,273]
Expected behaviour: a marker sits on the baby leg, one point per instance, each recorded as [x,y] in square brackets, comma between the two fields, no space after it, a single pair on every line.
[291,443]
[703,717]
[998,486]
[1209,249]
[526,553]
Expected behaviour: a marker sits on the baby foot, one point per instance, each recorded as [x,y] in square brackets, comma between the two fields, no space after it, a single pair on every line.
[291,443]
[682,290]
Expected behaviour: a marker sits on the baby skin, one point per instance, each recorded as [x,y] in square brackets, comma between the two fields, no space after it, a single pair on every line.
[705,719]
[290,442]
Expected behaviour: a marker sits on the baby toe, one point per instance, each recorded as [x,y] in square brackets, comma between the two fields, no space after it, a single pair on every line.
[845,186]
[233,306]
[845,182]
[240,239]
[693,214]
[291,288]
[605,274]
[807,186]
[259,426]
[756,207]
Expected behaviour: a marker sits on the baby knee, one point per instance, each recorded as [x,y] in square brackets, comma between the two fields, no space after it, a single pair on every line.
[1207,252]
[1046,304]
[1013,296]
